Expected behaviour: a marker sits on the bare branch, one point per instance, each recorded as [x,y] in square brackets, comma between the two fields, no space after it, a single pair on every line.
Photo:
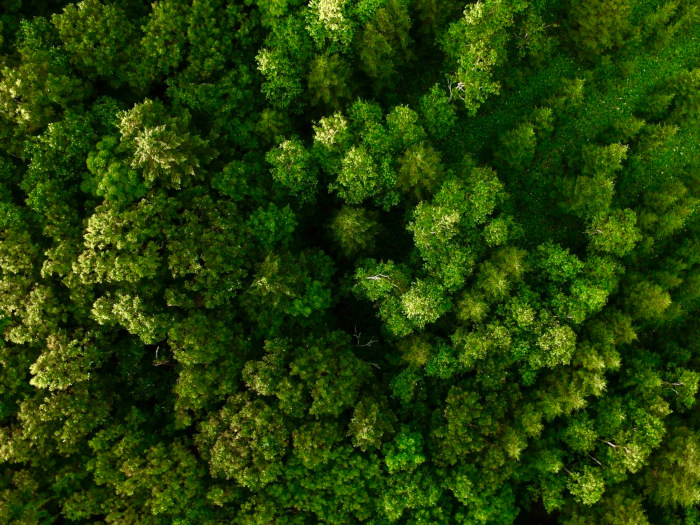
[594,459]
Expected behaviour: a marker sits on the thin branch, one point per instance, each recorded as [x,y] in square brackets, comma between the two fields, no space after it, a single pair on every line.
[594,459]
[357,337]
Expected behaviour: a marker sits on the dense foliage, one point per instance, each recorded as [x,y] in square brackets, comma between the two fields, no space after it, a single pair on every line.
[379,261]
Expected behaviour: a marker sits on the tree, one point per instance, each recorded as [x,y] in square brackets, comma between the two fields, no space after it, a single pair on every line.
[598,26]
[590,194]
[283,61]
[405,452]
[162,44]
[67,361]
[283,288]
[673,477]
[321,377]
[420,169]
[439,114]
[354,229]
[382,44]
[617,233]
[100,38]
[34,91]
[518,147]
[293,170]
[477,45]
[648,300]
[160,145]
[359,177]
[372,422]
[424,303]
[586,486]
[245,442]
[328,81]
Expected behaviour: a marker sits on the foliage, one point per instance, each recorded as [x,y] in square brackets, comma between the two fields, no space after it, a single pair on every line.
[349,261]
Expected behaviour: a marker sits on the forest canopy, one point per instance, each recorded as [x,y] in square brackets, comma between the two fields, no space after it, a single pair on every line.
[350,261]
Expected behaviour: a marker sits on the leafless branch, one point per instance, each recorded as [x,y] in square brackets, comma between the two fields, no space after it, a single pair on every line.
[357,337]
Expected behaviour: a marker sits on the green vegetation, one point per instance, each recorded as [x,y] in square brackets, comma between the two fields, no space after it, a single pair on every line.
[350,261]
